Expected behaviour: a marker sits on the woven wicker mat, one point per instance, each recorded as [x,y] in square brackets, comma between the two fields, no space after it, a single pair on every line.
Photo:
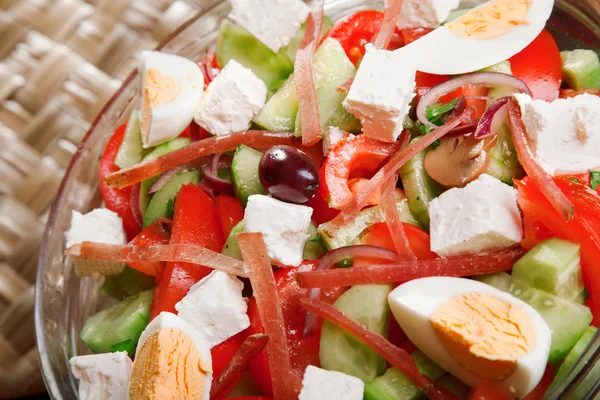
[60,61]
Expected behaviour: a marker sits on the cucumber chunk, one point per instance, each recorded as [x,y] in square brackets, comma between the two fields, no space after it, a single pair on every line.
[581,69]
[395,385]
[343,352]
[575,354]
[503,67]
[236,43]
[313,249]
[244,173]
[158,207]
[350,233]
[158,151]
[456,386]
[419,187]
[504,164]
[553,266]
[292,48]
[567,320]
[117,324]
[128,283]
[130,151]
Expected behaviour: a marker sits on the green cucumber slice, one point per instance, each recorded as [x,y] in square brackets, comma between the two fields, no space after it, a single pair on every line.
[313,249]
[553,266]
[236,43]
[130,151]
[567,320]
[503,67]
[128,283]
[244,173]
[117,324]
[343,352]
[395,385]
[158,151]
[574,355]
[419,187]
[456,386]
[158,207]
[504,164]
[581,69]
[350,233]
[292,48]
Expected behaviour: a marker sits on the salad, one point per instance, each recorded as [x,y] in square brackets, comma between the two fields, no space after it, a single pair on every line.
[398,205]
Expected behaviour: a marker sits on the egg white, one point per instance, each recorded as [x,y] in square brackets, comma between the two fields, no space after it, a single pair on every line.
[167,320]
[412,304]
[444,53]
[170,119]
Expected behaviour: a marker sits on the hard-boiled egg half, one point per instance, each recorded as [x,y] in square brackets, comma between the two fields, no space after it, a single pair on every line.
[486,35]
[172,87]
[172,361]
[474,331]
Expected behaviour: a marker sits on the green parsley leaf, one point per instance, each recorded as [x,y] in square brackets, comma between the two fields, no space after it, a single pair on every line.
[424,129]
[170,208]
[126,345]
[594,179]
[574,180]
[435,145]
[436,112]
[345,263]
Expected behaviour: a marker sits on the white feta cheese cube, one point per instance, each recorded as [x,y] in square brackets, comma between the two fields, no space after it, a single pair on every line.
[100,225]
[102,376]
[565,134]
[273,22]
[482,215]
[333,136]
[381,93]
[320,384]
[231,100]
[425,13]
[284,227]
[215,307]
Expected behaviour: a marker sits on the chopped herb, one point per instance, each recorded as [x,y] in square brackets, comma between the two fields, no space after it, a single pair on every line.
[424,129]
[574,180]
[586,294]
[435,145]
[418,198]
[345,263]
[170,208]
[594,179]
[436,113]
[316,239]
[126,345]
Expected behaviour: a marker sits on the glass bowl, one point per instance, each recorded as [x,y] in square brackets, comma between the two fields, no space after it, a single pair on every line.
[64,301]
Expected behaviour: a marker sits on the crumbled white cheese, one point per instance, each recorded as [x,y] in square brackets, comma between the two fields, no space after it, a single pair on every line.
[231,100]
[102,376]
[215,307]
[483,215]
[284,227]
[320,384]
[100,225]
[273,22]
[425,13]
[565,134]
[381,93]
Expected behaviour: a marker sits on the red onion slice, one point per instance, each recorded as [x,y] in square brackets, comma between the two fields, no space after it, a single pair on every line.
[207,189]
[484,128]
[165,177]
[335,256]
[490,79]
[218,184]
[134,200]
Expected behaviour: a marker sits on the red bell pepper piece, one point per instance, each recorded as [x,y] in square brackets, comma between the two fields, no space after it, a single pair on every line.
[485,391]
[351,157]
[230,212]
[419,241]
[158,233]
[117,200]
[195,221]
[223,353]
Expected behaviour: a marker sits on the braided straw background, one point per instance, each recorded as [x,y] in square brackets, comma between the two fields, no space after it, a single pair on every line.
[60,61]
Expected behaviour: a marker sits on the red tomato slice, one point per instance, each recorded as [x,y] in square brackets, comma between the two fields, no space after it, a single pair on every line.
[195,221]
[410,35]
[358,29]
[539,66]
[304,351]
[117,200]
[321,210]
[230,212]
[542,387]
[158,233]
[223,353]
[485,391]
[419,241]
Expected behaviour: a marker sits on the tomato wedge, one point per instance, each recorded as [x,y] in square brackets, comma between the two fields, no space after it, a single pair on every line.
[358,29]
[542,221]
[419,241]
[539,66]
[230,212]
[159,232]
[195,221]
[304,351]
[117,200]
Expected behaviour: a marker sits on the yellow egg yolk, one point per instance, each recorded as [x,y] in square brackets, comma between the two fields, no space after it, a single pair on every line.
[159,89]
[486,335]
[168,366]
[492,20]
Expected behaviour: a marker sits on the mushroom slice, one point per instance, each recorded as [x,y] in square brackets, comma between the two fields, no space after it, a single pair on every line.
[458,160]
